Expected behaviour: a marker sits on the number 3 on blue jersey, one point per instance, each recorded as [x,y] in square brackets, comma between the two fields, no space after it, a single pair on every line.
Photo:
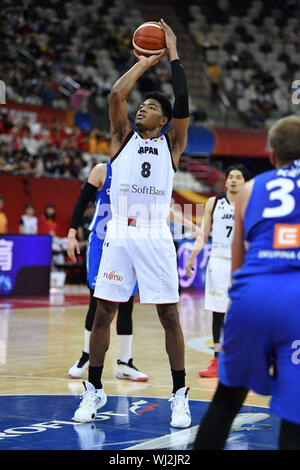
[280,190]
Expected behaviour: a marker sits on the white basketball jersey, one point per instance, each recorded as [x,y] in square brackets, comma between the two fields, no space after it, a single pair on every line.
[222,228]
[142,178]
[30,224]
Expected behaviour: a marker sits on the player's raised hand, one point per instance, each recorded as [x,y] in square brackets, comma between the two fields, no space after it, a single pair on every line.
[73,248]
[190,266]
[171,39]
[152,60]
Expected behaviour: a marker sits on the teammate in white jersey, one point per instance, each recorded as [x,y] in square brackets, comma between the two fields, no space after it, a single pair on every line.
[219,221]
[138,244]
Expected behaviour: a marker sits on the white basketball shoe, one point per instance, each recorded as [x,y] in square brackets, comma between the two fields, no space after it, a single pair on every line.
[91,401]
[181,416]
[80,366]
[127,371]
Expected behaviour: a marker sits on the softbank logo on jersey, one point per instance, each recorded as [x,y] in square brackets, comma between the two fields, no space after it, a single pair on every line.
[152,190]
[135,189]
[113,276]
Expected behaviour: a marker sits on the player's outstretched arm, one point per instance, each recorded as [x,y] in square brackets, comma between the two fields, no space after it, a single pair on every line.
[94,183]
[238,244]
[178,218]
[119,123]
[180,121]
[202,238]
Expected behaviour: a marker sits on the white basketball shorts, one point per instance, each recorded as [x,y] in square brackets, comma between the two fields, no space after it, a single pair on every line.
[143,253]
[217,283]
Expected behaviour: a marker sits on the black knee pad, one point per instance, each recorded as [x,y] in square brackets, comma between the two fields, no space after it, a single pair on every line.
[218,319]
[91,311]
[124,319]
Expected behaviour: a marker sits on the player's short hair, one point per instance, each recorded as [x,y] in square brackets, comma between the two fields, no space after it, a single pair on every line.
[163,100]
[284,139]
[239,167]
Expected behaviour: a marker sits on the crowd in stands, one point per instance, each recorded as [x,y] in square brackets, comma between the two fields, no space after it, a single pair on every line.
[54,149]
[51,57]
[252,53]
[58,53]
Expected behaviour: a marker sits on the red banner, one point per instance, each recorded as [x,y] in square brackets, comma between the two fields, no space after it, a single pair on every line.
[240,143]
[17,112]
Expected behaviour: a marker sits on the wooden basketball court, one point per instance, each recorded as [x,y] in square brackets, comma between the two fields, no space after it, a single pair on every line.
[41,338]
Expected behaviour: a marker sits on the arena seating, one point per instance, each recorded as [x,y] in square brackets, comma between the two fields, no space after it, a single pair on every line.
[255,45]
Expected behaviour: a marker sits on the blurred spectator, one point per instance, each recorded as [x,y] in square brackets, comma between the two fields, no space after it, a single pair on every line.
[30,143]
[5,165]
[99,142]
[207,41]
[67,167]
[47,222]
[214,74]
[47,93]
[28,223]
[78,98]
[83,140]
[3,218]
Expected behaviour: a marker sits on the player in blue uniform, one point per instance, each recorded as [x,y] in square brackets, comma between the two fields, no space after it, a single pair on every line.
[261,345]
[97,188]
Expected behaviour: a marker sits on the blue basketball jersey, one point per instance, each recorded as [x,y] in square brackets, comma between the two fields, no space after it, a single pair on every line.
[272,222]
[102,212]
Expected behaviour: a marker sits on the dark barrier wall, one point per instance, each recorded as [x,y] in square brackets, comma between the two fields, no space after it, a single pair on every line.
[19,190]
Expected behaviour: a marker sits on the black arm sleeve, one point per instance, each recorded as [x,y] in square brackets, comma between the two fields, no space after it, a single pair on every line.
[181,103]
[88,194]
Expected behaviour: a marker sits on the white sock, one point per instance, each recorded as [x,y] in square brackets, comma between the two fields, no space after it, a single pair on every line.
[87,335]
[125,347]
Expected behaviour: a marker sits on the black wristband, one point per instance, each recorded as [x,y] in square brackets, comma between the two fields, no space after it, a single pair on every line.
[88,194]
[181,103]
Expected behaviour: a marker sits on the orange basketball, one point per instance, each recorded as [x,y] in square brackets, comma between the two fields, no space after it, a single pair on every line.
[149,39]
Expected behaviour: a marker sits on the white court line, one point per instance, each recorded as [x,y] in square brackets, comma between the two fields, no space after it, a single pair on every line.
[178,439]
[105,382]
[148,385]
[188,436]
[117,396]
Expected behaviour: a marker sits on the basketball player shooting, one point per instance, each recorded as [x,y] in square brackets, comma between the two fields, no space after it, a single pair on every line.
[143,166]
